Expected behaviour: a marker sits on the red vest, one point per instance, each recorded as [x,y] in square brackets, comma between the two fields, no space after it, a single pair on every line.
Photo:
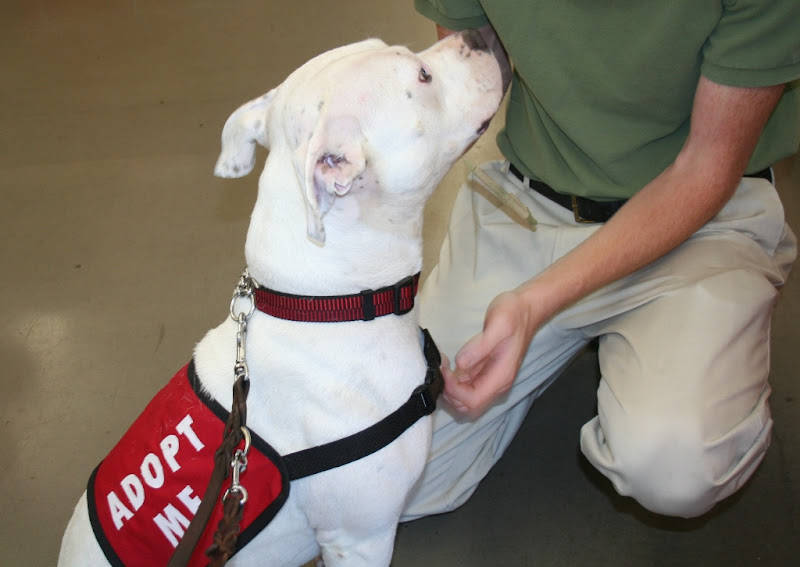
[147,490]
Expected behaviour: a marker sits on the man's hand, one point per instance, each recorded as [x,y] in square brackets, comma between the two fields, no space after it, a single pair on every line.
[487,364]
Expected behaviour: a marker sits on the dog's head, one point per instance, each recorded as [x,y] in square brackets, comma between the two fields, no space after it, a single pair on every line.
[371,120]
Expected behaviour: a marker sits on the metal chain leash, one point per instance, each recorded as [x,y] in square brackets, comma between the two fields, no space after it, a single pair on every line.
[244,291]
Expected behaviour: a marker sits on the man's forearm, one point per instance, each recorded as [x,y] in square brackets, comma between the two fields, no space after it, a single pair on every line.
[442,32]
[663,215]
[726,124]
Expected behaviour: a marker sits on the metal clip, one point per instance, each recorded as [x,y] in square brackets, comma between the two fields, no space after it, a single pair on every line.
[240,367]
[244,290]
[238,466]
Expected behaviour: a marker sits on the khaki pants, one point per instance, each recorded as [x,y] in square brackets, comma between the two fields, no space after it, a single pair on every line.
[683,415]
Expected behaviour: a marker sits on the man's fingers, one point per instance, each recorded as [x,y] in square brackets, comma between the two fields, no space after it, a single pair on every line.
[475,394]
[481,346]
[475,350]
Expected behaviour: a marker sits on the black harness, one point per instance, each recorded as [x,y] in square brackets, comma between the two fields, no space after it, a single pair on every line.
[321,458]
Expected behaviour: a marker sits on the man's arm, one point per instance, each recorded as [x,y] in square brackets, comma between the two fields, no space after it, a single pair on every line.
[442,32]
[725,126]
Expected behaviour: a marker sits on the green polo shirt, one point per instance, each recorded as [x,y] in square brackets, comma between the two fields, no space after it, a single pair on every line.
[602,92]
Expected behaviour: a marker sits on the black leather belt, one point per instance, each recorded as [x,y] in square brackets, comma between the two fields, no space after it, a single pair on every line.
[588,210]
[585,210]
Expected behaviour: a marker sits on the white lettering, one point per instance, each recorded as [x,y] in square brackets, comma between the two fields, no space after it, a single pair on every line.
[152,471]
[169,448]
[151,474]
[187,497]
[119,513]
[185,428]
[133,489]
[172,525]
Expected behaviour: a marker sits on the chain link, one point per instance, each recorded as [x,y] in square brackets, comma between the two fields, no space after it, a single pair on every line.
[243,293]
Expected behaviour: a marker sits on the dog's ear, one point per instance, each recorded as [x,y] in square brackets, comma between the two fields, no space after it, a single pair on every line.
[246,126]
[333,160]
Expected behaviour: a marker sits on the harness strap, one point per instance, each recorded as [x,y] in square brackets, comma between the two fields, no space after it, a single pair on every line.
[396,299]
[357,446]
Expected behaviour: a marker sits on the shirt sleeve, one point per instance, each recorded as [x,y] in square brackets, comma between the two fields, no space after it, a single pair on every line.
[454,15]
[755,44]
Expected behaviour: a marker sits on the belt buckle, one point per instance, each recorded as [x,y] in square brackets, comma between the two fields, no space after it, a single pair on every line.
[576,212]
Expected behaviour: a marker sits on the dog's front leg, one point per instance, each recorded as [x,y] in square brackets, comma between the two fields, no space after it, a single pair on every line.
[356,550]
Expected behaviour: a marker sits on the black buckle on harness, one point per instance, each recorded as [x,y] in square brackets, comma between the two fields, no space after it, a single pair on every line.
[434,380]
[426,398]
[428,392]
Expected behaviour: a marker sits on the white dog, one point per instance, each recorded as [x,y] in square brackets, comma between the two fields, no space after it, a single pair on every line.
[358,138]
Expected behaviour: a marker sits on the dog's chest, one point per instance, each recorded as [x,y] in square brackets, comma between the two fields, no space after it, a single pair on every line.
[313,383]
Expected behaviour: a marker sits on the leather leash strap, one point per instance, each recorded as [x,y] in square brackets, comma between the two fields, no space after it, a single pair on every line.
[222,466]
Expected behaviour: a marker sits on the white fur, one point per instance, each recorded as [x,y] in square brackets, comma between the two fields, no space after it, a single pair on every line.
[357,144]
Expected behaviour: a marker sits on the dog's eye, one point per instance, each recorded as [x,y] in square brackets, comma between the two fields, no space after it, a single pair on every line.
[424,76]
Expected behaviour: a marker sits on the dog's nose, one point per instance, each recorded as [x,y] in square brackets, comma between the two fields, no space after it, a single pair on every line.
[474,40]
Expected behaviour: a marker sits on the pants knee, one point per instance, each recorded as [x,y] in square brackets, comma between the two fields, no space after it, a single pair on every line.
[670,469]
[666,472]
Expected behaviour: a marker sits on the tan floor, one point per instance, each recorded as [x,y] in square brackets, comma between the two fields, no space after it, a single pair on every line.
[119,249]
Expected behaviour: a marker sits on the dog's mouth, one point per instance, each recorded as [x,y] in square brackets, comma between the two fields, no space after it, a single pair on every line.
[483,127]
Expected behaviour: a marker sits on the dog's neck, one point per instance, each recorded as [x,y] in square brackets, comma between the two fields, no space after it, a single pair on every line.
[363,249]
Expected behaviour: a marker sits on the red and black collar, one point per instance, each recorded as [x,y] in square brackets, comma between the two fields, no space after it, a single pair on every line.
[396,299]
